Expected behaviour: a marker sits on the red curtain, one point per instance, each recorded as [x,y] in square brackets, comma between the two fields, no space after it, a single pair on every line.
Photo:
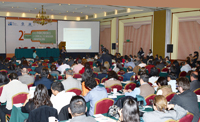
[105,39]
[139,37]
[189,38]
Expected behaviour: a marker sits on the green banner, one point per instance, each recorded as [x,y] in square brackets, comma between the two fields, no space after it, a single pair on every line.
[48,36]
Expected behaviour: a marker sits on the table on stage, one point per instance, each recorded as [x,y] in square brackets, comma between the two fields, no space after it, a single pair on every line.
[28,53]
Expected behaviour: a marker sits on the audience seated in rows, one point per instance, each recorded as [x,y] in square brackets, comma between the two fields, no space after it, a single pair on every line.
[142,64]
[39,68]
[144,90]
[163,87]
[162,111]
[59,97]
[9,90]
[186,98]
[25,78]
[112,80]
[70,82]
[95,94]
[3,78]
[128,74]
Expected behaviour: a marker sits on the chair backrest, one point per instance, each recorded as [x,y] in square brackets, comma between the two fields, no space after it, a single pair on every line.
[119,87]
[1,89]
[149,98]
[91,63]
[97,80]
[150,83]
[75,90]
[34,64]
[120,78]
[130,86]
[29,69]
[95,73]
[3,70]
[108,90]
[182,74]
[19,98]
[104,79]
[45,64]
[170,96]
[55,75]
[121,72]
[48,47]
[60,77]
[32,47]
[103,105]
[25,47]
[197,91]
[29,85]
[187,118]
[77,75]
[164,70]
[46,60]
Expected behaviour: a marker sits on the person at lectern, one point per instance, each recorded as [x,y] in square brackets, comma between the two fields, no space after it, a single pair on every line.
[34,54]
[63,52]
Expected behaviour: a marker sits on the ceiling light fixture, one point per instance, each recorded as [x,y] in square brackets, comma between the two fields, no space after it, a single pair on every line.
[81,12]
[66,11]
[42,18]
[68,4]
[60,4]
[3,2]
[12,7]
[90,7]
[85,6]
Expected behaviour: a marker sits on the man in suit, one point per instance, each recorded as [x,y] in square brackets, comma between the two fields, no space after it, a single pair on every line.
[160,64]
[128,74]
[44,80]
[39,68]
[187,99]
[77,109]
[63,52]
[194,84]
[70,82]
[103,73]
[25,78]
[106,57]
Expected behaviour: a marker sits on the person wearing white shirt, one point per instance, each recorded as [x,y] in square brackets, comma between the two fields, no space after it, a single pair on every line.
[171,78]
[12,88]
[59,97]
[150,53]
[62,67]
[186,67]
[142,64]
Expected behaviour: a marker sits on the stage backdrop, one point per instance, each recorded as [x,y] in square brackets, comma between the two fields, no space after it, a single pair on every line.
[25,33]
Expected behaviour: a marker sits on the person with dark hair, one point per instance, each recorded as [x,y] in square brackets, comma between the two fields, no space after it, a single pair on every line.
[142,64]
[153,76]
[63,52]
[176,64]
[186,67]
[128,74]
[186,98]
[59,97]
[160,64]
[9,90]
[162,111]
[150,53]
[53,69]
[70,61]
[171,78]
[167,60]
[70,82]
[51,59]
[112,79]
[129,63]
[144,90]
[44,79]
[103,73]
[34,54]
[149,66]
[106,57]
[25,64]
[140,53]
[95,94]
[25,78]
[86,66]
[78,66]
[129,112]
[172,69]
[3,78]
[195,58]
[77,109]
[39,67]
[163,87]
[62,67]
[98,67]
[40,98]
[194,84]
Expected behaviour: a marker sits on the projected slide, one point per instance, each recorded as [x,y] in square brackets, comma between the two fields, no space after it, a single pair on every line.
[77,38]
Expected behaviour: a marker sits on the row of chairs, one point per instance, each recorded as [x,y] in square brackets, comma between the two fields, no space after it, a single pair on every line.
[31,47]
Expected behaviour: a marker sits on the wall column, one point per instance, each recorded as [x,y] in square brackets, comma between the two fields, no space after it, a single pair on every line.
[113,34]
[121,37]
[175,34]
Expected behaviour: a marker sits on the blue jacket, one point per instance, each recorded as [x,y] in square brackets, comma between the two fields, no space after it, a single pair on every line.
[127,76]
[45,81]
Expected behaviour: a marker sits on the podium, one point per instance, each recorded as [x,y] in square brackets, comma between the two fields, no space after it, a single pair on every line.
[61,44]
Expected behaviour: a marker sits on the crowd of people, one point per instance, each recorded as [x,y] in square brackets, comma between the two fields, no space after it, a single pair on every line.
[144,71]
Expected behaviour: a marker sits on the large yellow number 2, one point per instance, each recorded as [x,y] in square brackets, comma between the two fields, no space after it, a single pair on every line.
[22,33]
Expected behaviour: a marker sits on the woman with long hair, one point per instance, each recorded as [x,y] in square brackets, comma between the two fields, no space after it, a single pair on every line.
[129,112]
[195,58]
[40,98]
[162,111]
[112,79]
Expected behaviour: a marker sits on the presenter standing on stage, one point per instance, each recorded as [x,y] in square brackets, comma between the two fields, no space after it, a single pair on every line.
[63,52]
[34,54]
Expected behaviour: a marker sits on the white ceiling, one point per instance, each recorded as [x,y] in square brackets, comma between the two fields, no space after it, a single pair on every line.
[66,9]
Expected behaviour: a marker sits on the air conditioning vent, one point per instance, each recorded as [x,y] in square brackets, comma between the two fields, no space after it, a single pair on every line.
[122,11]
[110,13]
[90,16]
[82,17]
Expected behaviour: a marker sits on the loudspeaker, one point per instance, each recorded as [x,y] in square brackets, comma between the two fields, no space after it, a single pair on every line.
[113,46]
[170,48]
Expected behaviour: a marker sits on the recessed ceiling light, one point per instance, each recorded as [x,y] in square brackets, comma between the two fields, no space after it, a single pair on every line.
[81,12]
[91,8]
[73,11]
[85,6]
[68,4]
[60,4]
[12,7]
[66,11]
[51,9]
[3,2]
[35,8]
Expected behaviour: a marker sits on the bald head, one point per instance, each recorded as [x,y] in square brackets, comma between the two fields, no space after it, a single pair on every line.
[194,76]
[24,71]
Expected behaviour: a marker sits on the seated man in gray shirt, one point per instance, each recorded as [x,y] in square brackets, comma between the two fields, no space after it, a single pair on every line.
[77,109]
